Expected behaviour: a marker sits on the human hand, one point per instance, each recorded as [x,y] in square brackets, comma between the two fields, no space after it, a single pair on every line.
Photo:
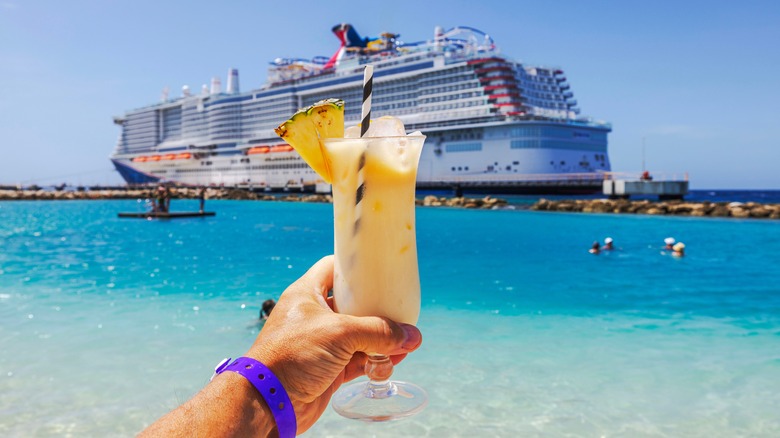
[313,350]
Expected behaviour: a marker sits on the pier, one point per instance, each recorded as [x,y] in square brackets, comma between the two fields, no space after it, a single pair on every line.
[625,185]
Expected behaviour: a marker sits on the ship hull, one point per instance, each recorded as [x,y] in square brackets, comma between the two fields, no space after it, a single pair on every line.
[488,159]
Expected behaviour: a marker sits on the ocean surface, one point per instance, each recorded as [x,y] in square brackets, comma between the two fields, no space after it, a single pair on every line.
[107,323]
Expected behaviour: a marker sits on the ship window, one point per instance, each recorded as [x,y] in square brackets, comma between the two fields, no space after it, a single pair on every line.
[453,169]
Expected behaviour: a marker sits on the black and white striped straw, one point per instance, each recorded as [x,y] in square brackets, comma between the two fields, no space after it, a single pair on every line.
[368,85]
[368,81]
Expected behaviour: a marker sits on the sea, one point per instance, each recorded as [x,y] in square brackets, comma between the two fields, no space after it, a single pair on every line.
[107,323]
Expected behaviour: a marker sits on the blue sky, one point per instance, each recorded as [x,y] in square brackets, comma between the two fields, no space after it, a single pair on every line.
[697,82]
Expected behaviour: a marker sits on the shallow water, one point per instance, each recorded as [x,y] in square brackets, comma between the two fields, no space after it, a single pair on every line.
[105,324]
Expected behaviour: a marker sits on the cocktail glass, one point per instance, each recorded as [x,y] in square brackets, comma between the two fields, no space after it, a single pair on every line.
[376,271]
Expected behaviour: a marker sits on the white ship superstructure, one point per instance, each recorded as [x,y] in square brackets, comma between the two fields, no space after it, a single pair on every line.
[491,122]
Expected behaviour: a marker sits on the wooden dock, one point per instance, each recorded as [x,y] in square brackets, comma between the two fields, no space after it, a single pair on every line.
[168,215]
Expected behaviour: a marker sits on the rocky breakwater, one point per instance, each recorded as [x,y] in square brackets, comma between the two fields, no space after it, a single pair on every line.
[62,195]
[487,202]
[678,208]
[147,193]
[222,193]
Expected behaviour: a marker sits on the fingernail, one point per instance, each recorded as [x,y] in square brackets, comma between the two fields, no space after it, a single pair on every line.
[413,337]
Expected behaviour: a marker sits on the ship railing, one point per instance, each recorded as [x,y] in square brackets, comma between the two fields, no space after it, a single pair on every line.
[528,177]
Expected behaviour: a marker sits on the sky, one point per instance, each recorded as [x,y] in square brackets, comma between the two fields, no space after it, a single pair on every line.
[690,87]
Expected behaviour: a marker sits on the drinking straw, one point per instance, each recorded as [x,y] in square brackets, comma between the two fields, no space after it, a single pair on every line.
[368,81]
[368,85]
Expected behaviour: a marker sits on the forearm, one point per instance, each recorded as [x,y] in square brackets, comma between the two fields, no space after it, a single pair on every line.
[229,406]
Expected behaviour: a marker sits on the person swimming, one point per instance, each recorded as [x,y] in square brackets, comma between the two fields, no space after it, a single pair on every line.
[607,244]
[678,250]
[594,249]
[268,306]
[669,243]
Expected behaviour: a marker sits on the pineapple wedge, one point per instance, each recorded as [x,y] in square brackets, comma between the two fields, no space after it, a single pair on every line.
[307,128]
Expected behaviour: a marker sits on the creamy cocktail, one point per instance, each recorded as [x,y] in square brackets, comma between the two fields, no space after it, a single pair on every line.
[373,176]
[376,270]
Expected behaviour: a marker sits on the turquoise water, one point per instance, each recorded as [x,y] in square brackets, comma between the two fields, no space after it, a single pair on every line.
[106,324]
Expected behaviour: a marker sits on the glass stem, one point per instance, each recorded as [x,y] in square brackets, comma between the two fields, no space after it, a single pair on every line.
[379,368]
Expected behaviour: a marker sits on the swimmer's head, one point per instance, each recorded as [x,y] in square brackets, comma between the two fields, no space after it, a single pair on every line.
[268,306]
[669,241]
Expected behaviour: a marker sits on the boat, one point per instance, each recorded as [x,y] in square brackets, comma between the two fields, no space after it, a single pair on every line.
[166,215]
[492,124]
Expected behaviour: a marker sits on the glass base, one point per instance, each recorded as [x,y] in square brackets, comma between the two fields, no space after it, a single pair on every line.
[379,401]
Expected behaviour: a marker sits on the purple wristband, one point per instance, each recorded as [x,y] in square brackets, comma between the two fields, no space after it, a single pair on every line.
[270,388]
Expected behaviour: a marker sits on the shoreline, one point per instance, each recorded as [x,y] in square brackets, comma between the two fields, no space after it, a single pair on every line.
[212,193]
[753,210]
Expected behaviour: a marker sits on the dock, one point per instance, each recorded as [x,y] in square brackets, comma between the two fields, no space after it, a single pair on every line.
[623,186]
[166,215]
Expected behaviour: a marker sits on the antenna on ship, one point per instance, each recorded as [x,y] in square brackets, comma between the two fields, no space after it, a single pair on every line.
[164,94]
[232,81]
[216,85]
[438,35]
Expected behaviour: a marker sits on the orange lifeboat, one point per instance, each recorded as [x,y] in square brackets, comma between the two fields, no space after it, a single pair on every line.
[140,159]
[281,148]
[258,150]
[184,156]
[154,158]
[168,157]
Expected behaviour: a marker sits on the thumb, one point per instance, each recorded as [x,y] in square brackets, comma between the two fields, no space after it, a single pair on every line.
[376,335]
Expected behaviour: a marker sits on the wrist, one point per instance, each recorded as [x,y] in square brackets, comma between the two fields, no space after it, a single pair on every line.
[244,405]
[267,388]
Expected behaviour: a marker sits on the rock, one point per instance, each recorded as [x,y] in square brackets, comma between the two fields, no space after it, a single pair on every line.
[455,202]
[429,200]
[760,212]
[720,211]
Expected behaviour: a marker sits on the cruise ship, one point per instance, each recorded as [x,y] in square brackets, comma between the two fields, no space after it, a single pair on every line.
[492,123]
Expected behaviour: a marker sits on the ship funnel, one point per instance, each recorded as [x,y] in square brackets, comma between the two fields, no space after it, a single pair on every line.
[185,91]
[232,82]
[216,85]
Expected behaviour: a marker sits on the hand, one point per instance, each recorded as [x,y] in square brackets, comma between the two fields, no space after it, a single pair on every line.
[313,350]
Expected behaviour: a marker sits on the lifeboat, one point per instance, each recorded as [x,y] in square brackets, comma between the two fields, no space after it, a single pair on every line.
[140,159]
[258,150]
[167,157]
[281,148]
[184,156]
[154,158]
